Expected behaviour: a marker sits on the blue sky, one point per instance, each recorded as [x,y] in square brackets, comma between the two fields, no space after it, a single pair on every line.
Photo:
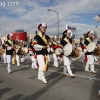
[29,13]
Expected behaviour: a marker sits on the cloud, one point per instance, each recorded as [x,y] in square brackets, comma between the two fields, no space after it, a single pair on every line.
[29,13]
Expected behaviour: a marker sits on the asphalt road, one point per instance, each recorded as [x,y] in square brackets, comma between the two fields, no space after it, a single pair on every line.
[23,84]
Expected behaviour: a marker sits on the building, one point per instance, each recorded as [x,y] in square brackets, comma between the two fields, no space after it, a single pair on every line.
[20,35]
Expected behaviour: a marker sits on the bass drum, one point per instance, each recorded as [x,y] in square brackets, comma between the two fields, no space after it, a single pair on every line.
[58,51]
[76,53]
[25,50]
[91,47]
[67,50]
[2,51]
[96,51]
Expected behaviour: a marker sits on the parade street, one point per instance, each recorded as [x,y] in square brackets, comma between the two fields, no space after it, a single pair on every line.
[22,83]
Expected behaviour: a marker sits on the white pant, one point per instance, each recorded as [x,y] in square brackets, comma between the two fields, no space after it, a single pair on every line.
[5,58]
[70,60]
[48,56]
[18,60]
[9,62]
[82,57]
[67,66]
[60,58]
[34,62]
[22,59]
[41,75]
[55,60]
[41,62]
[90,62]
[95,58]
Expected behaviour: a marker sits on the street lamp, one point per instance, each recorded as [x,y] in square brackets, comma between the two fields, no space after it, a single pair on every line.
[59,23]
[57,19]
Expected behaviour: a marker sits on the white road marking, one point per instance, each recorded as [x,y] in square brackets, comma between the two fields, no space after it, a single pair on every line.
[91,78]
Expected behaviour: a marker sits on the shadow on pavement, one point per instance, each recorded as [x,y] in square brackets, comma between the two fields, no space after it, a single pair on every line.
[23,69]
[16,97]
[4,90]
[47,87]
[96,85]
[1,81]
[77,67]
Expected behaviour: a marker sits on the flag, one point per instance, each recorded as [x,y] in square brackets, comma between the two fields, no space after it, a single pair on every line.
[71,28]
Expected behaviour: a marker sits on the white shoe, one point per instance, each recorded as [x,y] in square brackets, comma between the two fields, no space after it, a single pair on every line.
[56,66]
[86,70]
[44,81]
[18,65]
[36,68]
[9,72]
[82,62]
[39,79]
[72,76]
[94,72]
[32,68]
[65,74]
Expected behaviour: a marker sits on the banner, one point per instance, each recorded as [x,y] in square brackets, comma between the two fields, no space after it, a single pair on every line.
[71,28]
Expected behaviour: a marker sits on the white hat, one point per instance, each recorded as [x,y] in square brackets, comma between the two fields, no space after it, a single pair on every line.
[97,18]
[43,25]
[69,31]
[91,32]
[21,40]
[55,36]
[10,34]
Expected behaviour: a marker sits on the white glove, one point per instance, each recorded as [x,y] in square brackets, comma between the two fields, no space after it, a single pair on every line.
[9,48]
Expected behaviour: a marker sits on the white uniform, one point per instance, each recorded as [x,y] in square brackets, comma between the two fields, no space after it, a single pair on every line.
[34,60]
[40,41]
[90,57]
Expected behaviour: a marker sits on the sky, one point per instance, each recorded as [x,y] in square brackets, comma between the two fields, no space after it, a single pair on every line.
[28,14]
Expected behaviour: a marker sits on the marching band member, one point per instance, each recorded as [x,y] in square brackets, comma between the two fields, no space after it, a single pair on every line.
[22,57]
[18,53]
[89,55]
[96,41]
[32,53]
[40,44]
[10,43]
[54,46]
[67,40]
[4,54]
[82,46]
[49,52]
[70,58]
